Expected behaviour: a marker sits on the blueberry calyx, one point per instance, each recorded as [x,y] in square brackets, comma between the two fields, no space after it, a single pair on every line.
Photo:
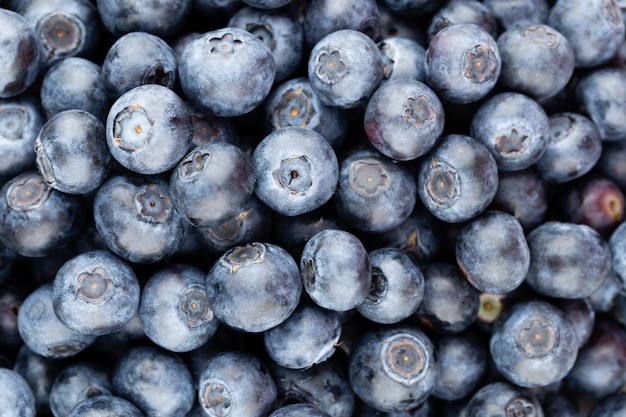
[264,33]
[225,45]
[95,286]
[60,33]
[295,107]
[27,193]
[520,407]
[541,35]
[330,67]
[158,75]
[13,121]
[480,64]
[419,110]
[442,184]
[404,358]
[229,230]
[241,256]
[561,126]
[294,174]
[378,288]
[42,161]
[216,398]
[515,141]
[194,164]
[308,272]
[132,128]
[65,350]
[194,307]
[153,205]
[368,177]
[537,338]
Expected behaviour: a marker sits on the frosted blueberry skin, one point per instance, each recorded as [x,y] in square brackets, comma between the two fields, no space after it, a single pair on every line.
[613,405]
[95,293]
[450,304]
[393,369]
[617,246]
[580,312]
[345,68]
[594,28]
[209,129]
[229,57]
[374,194]
[397,287]
[156,381]
[76,383]
[299,410]
[599,93]
[43,332]
[174,309]
[458,179]
[557,268]
[75,83]
[514,128]
[404,119]
[336,270]
[294,104]
[254,287]
[611,162]
[162,19]
[281,32]
[536,60]
[492,252]
[457,11]
[137,219]
[16,396]
[105,406]
[403,58]
[21,119]
[534,344]
[236,384]
[21,52]
[36,219]
[72,153]
[149,129]
[65,28]
[462,63]
[212,183]
[326,16]
[605,298]
[512,13]
[503,398]
[462,360]
[309,336]
[296,170]
[573,149]
[124,69]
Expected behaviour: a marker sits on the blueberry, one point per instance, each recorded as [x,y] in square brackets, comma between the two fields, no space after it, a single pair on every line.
[229,57]
[43,332]
[95,293]
[149,129]
[393,369]
[16,396]
[21,52]
[124,69]
[617,242]
[503,399]
[156,381]
[208,128]
[397,287]
[299,410]
[610,163]
[536,60]
[345,68]
[514,128]
[404,119]
[212,183]
[413,7]
[72,153]
[458,179]
[76,383]
[174,310]
[254,287]
[36,219]
[534,344]
[403,58]
[493,253]
[614,405]
[374,194]
[236,384]
[510,13]
[557,268]
[580,312]
[463,11]
[573,149]
[296,170]
[75,83]
[462,63]
[605,298]
[266,4]
[105,406]
[136,218]
[336,270]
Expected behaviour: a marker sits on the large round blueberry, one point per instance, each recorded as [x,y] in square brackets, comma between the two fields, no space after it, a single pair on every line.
[76,383]
[505,399]
[16,396]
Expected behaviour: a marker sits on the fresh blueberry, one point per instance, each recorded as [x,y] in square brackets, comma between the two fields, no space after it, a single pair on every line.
[374,194]
[212,183]
[503,399]
[463,11]
[580,312]
[105,406]
[510,13]
[514,128]
[612,406]
[72,153]
[605,298]
[557,268]
[462,63]
[345,67]
[77,383]
[124,69]
[404,119]
[296,170]
[403,58]
[534,344]
[149,129]
[492,252]
[336,270]
[236,384]
[299,410]
[95,293]
[611,162]
[397,287]
[174,310]
[156,381]
[617,245]
[43,332]
[230,57]
[458,179]
[16,396]
[254,287]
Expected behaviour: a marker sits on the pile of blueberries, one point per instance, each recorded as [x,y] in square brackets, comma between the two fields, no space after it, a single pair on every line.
[312,208]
